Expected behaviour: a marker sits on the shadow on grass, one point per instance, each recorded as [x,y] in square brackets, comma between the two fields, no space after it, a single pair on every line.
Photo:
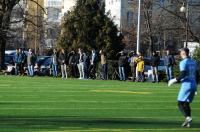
[81,123]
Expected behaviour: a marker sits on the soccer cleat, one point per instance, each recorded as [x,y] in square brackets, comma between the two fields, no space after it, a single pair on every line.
[187,122]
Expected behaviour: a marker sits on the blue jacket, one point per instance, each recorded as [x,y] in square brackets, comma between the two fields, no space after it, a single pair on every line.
[169,60]
[18,58]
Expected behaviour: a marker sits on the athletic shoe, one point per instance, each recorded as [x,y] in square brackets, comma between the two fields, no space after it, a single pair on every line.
[187,122]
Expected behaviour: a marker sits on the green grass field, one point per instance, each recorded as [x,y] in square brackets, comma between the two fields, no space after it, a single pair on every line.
[47,104]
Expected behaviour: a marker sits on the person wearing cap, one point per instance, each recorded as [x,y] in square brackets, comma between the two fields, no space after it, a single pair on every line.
[122,63]
[189,76]
[140,68]
[133,65]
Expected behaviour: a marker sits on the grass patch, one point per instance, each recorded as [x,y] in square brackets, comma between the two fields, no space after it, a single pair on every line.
[47,104]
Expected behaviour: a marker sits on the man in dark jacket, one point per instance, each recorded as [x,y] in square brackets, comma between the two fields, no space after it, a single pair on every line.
[155,61]
[24,58]
[73,63]
[122,63]
[18,61]
[93,64]
[169,64]
[63,63]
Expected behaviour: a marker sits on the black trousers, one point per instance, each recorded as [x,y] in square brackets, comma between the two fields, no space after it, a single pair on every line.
[92,71]
[104,72]
[74,70]
[133,71]
[18,68]
[140,76]
[185,109]
[21,69]
[86,70]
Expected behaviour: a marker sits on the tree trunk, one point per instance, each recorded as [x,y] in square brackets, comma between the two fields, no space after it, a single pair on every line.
[151,44]
[2,52]
[4,26]
[2,47]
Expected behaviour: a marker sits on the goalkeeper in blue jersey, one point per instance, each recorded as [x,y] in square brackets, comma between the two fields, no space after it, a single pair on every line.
[189,79]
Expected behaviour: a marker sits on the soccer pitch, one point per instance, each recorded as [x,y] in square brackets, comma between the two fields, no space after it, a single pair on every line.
[56,105]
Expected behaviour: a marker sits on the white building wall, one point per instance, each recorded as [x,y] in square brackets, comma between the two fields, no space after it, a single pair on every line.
[67,5]
[115,9]
[53,3]
[53,10]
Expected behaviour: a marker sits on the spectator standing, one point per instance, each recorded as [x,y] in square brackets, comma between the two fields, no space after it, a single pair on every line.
[17,61]
[103,65]
[133,65]
[155,61]
[93,64]
[24,57]
[30,63]
[122,63]
[169,64]
[73,63]
[140,68]
[86,63]
[55,63]
[80,64]
[62,60]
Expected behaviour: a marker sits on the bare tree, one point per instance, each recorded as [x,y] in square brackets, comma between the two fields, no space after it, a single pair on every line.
[166,25]
[6,8]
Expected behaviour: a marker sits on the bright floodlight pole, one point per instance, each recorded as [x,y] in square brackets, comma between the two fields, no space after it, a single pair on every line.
[186,11]
[187,23]
[138,26]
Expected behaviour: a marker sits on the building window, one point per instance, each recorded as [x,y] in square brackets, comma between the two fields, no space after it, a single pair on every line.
[130,1]
[129,17]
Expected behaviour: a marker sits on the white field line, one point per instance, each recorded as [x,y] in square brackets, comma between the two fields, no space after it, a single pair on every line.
[51,108]
[91,95]
[118,92]
[66,91]
[77,101]
[129,130]
[91,86]
[95,118]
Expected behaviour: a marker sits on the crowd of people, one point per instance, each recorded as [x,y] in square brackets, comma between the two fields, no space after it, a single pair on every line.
[83,65]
